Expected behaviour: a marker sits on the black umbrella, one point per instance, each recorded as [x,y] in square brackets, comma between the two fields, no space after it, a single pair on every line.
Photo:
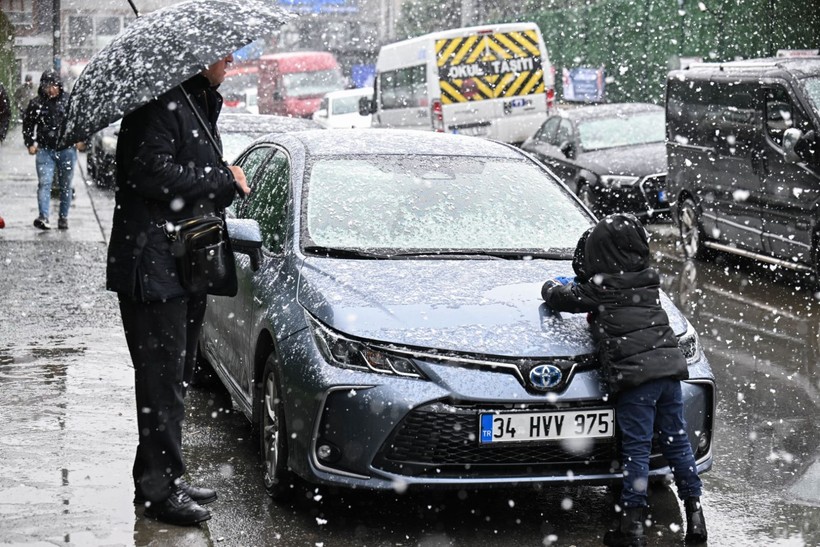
[159,51]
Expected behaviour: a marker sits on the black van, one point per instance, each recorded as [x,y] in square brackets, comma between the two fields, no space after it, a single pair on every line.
[743,155]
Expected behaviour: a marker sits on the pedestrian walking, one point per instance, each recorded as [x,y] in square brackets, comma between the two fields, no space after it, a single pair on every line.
[167,171]
[42,122]
[642,364]
[5,112]
[23,95]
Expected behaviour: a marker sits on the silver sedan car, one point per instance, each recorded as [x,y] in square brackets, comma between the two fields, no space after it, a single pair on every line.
[389,331]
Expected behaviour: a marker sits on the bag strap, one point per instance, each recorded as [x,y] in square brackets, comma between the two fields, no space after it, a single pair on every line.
[203,124]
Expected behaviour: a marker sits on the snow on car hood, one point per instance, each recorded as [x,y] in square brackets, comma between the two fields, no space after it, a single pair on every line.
[641,160]
[491,307]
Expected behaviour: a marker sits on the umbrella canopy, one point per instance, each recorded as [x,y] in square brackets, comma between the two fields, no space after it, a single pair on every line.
[159,51]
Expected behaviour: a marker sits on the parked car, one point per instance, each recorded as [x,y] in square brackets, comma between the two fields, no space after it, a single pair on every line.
[389,332]
[612,155]
[237,130]
[340,109]
[101,156]
[744,160]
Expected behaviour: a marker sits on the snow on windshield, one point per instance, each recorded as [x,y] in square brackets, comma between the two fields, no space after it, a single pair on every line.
[439,203]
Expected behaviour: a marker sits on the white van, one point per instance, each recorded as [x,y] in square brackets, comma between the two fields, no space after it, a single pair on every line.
[493,81]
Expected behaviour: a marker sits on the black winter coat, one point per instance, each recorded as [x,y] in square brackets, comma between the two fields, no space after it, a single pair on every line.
[167,171]
[45,116]
[635,342]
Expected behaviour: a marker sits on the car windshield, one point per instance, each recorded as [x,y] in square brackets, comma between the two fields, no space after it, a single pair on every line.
[345,105]
[812,86]
[439,204]
[623,131]
[306,84]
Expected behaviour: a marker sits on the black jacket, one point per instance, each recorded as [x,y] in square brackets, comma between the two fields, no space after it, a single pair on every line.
[45,116]
[167,171]
[635,342]
[5,112]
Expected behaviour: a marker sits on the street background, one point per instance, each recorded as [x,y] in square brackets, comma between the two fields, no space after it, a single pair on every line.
[68,428]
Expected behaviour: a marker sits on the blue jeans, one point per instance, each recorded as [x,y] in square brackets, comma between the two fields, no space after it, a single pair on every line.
[654,406]
[48,162]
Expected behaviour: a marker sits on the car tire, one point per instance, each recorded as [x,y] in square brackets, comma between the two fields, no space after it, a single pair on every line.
[690,231]
[587,196]
[273,447]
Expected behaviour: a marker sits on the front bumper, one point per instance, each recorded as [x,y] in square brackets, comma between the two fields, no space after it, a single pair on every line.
[374,432]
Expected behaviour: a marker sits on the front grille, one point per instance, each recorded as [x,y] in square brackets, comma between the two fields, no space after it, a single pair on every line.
[442,441]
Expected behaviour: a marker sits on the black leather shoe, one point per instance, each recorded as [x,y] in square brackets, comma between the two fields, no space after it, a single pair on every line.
[178,509]
[201,495]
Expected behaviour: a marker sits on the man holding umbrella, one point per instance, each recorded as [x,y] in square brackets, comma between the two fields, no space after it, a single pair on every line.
[161,73]
[167,171]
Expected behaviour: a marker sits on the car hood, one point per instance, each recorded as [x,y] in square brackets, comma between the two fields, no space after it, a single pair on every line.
[642,160]
[490,307]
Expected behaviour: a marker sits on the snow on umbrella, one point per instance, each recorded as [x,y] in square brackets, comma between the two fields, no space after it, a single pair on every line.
[159,51]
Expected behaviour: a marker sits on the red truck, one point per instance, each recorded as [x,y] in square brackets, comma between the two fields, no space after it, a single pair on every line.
[293,84]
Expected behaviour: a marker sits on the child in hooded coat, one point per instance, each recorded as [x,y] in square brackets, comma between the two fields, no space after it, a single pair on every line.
[641,361]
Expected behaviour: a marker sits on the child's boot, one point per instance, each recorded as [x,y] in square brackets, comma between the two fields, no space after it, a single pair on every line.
[630,529]
[695,523]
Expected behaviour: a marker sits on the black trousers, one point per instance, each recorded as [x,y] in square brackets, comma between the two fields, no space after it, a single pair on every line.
[162,339]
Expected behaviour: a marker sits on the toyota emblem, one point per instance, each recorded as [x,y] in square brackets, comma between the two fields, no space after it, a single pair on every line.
[544,377]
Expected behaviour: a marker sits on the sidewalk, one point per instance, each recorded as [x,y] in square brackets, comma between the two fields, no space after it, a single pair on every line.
[18,199]
[67,419]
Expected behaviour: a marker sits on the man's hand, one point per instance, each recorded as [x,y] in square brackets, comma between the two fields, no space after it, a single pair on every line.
[241,182]
[32,149]
[80,146]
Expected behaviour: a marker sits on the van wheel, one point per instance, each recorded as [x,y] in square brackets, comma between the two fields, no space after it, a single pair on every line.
[273,446]
[587,196]
[691,234]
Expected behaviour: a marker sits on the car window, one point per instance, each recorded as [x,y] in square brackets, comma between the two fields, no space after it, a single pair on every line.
[547,132]
[250,164]
[812,87]
[564,133]
[438,202]
[403,88]
[781,114]
[267,202]
[634,129]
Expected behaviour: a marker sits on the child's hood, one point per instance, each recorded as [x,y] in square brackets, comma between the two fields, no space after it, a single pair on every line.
[617,244]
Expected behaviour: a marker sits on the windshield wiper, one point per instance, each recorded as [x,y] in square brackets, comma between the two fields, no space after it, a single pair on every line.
[501,254]
[341,252]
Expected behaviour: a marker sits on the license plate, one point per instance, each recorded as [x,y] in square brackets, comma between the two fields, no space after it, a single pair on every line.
[477,131]
[509,427]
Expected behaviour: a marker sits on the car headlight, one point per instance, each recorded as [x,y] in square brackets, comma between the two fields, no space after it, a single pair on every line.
[689,344]
[619,180]
[344,352]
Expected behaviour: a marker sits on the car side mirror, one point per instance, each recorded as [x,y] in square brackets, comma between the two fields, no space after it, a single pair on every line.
[791,137]
[366,106]
[568,149]
[246,238]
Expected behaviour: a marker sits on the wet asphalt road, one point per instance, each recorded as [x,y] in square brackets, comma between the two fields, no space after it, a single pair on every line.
[67,425]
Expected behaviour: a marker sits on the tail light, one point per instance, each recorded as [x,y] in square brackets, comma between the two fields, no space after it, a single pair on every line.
[437,116]
[550,99]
